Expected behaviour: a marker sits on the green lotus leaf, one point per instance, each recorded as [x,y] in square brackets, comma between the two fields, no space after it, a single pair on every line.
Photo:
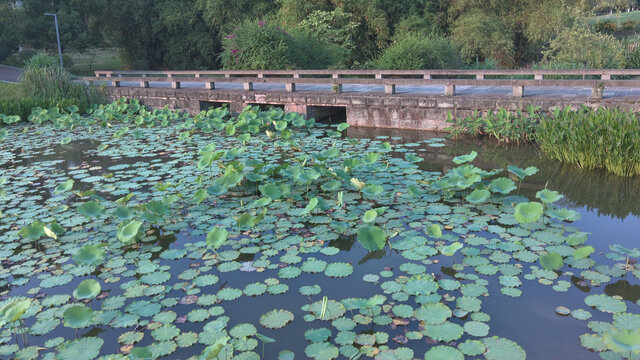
[443,352]
[342,126]
[413,158]
[446,332]
[451,249]
[606,303]
[85,348]
[331,186]
[503,349]
[433,313]
[140,353]
[321,351]
[271,190]
[34,231]
[502,185]
[165,332]
[313,202]
[371,237]
[317,335]
[548,196]
[551,261]
[91,209]
[338,270]
[286,355]
[333,310]
[577,238]
[211,352]
[13,310]
[87,289]
[522,173]
[89,254]
[370,216]
[528,212]
[216,237]
[465,158]
[478,196]
[623,342]
[64,187]
[583,252]
[434,231]
[276,319]
[243,330]
[372,190]
[128,231]
[78,316]
[625,251]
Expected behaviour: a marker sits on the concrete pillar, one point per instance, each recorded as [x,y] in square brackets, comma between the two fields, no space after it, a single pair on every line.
[248,86]
[299,108]
[336,88]
[291,87]
[427,76]
[335,76]
[197,76]
[296,76]
[210,85]
[479,76]
[518,91]
[175,84]
[227,75]
[538,77]
[605,77]
[378,76]
[144,84]
[115,83]
[449,90]
[260,76]
[389,89]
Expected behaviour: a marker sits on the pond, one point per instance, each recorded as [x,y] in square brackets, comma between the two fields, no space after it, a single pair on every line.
[160,235]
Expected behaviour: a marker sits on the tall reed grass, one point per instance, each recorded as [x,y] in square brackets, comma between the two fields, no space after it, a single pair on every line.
[602,138]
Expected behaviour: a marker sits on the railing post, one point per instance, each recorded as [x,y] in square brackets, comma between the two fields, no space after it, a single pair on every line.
[538,76]
[427,76]
[479,76]
[291,87]
[175,84]
[389,89]
[210,85]
[449,90]
[605,77]
[378,76]
[248,86]
[518,91]
[296,76]
[197,75]
[335,76]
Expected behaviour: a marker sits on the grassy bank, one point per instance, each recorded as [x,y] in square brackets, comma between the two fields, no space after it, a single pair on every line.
[605,138]
[85,63]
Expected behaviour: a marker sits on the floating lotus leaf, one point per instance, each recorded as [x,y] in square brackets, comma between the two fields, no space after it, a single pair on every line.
[476,328]
[91,209]
[434,231]
[371,237]
[472,347]
[286,355]
[85,348]
[625,251]
[443,352]
[141,353]
[528,212]
[77,316]
[551,261]
[465,158]
[370,216]
[130,337]
[333,310]
[64,187]
[478,196]
[317,335]
[271,190]
[446,332]
[321,351]
[90,254]
[87,289]
[583,252]
[13,310]
[503,349]
[548,196]
[581,314]
[564,214]
[276,319]
[372,190]
[216,237]
[338,269]
[34,231]
[502,185]
[313,202]
[606,303]
[623,342]
[243,330]
[522,173]
[433,313]
[165,333]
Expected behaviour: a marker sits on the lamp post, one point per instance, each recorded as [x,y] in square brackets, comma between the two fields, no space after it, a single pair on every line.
[55,18]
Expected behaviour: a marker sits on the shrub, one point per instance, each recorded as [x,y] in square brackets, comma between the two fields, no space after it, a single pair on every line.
[580,45]
[18,59]
[503,125]
[606,27]
[629,25]
[413,52]
[263,46]
[604,138]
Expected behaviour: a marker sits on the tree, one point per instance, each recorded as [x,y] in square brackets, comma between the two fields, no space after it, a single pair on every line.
[580,45]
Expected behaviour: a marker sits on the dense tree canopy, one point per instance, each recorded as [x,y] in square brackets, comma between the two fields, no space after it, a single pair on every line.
[182,34]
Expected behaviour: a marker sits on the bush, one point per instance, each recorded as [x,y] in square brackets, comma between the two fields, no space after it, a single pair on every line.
[22,107]
[606,27]
[629,25]
[605,138]
[580,45]
[412,52]
[18,59]
[503,125]
[265,46]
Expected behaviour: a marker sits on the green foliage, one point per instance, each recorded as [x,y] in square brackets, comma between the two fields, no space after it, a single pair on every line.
[604,138]
[413,52]
[503,125]
[580,45]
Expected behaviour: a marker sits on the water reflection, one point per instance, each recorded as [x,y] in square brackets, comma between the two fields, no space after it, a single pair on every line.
[597,190]
[623,289]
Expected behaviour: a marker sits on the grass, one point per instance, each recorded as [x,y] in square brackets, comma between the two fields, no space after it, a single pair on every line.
[9,91]
[618,18]
[87,62]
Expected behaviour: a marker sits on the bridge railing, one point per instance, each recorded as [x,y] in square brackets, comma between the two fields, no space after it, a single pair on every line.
[596,79]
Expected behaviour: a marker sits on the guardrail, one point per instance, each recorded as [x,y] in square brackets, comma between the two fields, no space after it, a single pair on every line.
[596,79]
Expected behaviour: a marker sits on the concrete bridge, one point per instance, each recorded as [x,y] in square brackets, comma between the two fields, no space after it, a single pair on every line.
[400,99]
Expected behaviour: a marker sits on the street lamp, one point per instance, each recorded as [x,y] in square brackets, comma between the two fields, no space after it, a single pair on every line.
[55,18]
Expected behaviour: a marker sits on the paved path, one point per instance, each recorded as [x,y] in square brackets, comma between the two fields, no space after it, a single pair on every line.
[9,74]
[494,92]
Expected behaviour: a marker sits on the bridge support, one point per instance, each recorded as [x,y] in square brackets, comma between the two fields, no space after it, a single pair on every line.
[144,84]
[518,91]
[210,85]
[175,85]
[248,86]
[449,90]
[389,89]
[291,87]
